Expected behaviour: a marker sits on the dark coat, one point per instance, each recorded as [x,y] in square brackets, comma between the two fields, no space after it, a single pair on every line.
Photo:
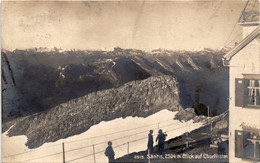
[110,153]
[161,138]
[150,141]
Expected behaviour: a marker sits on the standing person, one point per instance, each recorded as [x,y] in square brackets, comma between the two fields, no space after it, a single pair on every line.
[221,147]
[110,152]
[161,139]
[150,141]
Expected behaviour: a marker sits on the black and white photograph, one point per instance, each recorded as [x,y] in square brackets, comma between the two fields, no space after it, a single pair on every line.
[147,81]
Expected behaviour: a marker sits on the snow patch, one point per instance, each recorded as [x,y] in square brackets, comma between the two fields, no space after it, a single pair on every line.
[178,62]
[191,62]
[62,75]
[119,131]
[114,63]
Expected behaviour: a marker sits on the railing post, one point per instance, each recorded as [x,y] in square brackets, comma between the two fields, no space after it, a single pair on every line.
[149,161]
[210,123]
[210,127]
[63,151]
[127,148]
[187,140]
[208,112]
[94,153]
[208,116]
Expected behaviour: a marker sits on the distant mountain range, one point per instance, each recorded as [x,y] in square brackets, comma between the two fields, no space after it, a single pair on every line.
[45,81]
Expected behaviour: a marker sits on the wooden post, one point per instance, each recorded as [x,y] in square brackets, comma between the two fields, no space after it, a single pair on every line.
[210,128]
[210,123]
[208,111]
[149,160]
[254,149]
[127,148]
[187,141]
[94,154]
[63,151]
[208,116]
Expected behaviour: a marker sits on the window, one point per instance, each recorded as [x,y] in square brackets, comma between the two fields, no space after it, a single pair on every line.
[247,91]
[253,93]
[247,145]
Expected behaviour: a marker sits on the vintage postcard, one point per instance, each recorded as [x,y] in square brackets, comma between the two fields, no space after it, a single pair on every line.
[130,81]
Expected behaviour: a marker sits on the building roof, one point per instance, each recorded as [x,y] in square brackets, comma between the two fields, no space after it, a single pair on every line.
[250,14]
[242,44]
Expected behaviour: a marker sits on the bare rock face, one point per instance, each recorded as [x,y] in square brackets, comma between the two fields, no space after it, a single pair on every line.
[136,98]
[189,114]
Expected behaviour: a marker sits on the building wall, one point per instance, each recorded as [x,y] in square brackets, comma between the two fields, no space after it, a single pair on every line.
[247,61]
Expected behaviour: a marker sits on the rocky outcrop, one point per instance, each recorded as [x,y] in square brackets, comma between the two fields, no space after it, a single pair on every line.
[189,114]
[12,100]
[136,98]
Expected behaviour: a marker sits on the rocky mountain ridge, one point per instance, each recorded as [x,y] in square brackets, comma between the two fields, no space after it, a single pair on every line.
[136,98]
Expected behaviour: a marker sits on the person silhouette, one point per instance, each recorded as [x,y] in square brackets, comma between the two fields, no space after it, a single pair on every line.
[222,146]
[161,139]
[150,141]
[110,152]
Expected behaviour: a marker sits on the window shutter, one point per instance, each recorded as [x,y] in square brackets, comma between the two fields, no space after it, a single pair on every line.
[239,144]
[257,150]
[239,92]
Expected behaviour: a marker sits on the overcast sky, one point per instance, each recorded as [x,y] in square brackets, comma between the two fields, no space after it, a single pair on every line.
[175,25]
